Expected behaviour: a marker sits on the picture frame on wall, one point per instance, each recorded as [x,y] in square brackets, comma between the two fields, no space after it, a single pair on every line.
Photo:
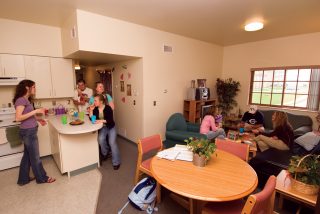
[122,86]
[128,89]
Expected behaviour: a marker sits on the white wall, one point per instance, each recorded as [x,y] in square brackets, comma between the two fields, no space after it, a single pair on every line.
[191,59]
[288,51]
[29,39]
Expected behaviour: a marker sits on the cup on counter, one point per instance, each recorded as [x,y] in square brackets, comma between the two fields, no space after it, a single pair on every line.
[241,130]
[64,119]
[81,115]
[93,119]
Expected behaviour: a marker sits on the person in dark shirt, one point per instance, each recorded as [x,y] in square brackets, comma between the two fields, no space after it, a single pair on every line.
[104,115]
[281,137]
[252,120]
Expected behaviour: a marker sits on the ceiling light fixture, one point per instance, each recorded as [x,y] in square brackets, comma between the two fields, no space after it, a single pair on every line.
[77,65]
[253,26]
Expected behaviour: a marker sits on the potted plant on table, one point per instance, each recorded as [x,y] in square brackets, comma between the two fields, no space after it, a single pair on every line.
[305,173]
[202,150]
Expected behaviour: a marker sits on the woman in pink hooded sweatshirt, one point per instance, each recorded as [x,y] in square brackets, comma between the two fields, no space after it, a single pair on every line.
[209,128]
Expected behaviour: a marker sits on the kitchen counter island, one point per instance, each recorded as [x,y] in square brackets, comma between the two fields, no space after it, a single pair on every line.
[73,146]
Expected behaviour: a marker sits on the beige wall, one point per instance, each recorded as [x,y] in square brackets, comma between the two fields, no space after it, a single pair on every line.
[91,76]
[287,51]
[128,109]
[171,72]
[29,39]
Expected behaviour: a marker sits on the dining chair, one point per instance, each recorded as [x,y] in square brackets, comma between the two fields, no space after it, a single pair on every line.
[259,203]
[239,149]
[146,147]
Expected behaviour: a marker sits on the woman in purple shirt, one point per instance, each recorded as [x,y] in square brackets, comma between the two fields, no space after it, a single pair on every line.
[25,114]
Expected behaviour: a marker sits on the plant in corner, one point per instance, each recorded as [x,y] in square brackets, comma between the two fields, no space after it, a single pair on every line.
[201,148]
[305,173]
[227,90]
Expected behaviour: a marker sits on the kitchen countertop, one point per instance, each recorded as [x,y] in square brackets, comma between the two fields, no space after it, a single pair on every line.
[55,121]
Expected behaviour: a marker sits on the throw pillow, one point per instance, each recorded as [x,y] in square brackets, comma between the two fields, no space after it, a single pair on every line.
[308,140]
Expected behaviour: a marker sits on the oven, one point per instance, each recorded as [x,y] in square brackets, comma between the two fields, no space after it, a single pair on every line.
[9,156]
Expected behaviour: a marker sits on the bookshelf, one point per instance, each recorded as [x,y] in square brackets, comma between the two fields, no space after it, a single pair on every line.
[192,109]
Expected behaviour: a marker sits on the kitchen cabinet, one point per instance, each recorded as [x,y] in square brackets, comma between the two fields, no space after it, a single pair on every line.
[44,140]
[38,70]
[53,76]
[62,77]
[12,65]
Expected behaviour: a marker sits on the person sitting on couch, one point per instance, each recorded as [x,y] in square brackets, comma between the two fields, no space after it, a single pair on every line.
[253,120]
[281,137]
[209,128]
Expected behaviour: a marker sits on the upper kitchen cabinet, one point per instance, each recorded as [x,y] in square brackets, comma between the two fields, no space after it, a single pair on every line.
[38,70]
[12,65]
[53,76]
[62,77]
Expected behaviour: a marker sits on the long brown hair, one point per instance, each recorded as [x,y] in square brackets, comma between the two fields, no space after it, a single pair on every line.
[21,89]
[281,119]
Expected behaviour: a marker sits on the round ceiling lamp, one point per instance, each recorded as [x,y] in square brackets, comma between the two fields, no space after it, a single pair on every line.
[253,26]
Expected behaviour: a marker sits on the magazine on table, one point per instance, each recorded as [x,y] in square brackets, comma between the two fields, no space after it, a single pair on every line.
[179,152]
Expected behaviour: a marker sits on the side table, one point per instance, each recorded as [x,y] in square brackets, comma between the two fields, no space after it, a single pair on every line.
[284,188]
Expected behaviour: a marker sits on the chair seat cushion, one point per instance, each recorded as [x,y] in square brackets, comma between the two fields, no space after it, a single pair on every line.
[146,164]
[230,207]
[180,136]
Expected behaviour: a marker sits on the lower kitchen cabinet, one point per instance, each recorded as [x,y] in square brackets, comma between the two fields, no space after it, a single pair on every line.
[44,140]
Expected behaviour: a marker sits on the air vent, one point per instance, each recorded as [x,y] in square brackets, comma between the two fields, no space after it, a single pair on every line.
[167,49]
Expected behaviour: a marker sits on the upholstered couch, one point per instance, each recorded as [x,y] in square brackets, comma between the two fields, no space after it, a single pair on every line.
[301,124]
[177,130]
[272,161]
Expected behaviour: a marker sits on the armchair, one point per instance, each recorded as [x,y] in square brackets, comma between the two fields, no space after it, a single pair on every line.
[177,130]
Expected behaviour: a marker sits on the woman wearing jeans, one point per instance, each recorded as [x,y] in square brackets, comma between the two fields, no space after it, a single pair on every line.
[104,114]
[25,114]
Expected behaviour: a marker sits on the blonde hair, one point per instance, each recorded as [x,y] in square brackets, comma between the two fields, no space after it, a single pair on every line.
[281,119]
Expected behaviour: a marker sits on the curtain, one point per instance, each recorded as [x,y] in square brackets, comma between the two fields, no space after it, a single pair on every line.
[314,90]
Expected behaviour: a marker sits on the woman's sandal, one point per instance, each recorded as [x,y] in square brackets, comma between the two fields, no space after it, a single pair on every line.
[51,180]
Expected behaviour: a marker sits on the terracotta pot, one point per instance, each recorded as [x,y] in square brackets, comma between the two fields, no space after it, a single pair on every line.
[199,160]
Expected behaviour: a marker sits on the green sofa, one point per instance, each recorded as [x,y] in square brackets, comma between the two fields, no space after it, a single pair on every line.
[177,130]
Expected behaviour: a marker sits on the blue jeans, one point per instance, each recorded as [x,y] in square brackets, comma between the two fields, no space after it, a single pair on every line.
[219,133]
[31,158]
[112,135]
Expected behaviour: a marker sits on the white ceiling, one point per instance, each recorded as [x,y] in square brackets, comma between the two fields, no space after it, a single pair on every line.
[216,21]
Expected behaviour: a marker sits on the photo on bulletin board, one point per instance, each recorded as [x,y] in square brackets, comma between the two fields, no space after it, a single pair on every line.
[122,86]
[128,89]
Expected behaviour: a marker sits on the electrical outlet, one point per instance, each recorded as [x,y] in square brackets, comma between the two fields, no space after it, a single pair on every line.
[154,103]
[134,102]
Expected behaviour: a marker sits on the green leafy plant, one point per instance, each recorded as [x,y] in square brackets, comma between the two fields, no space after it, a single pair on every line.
[227,90]
[308,171]
[202,147]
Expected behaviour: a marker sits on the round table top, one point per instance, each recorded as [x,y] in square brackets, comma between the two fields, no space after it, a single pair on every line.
[224,178]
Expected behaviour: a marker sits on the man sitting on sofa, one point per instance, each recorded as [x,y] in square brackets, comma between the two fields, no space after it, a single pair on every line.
[253,120]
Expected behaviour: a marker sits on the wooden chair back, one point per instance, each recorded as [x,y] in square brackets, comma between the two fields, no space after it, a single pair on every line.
[238,149]
[263,200]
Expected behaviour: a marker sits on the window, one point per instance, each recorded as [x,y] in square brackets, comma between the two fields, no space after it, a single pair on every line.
[292,87]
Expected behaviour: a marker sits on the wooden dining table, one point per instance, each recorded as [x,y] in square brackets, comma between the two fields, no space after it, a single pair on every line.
[225,177]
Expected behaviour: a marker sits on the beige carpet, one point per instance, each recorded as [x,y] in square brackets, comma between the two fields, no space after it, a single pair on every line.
[77,195]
